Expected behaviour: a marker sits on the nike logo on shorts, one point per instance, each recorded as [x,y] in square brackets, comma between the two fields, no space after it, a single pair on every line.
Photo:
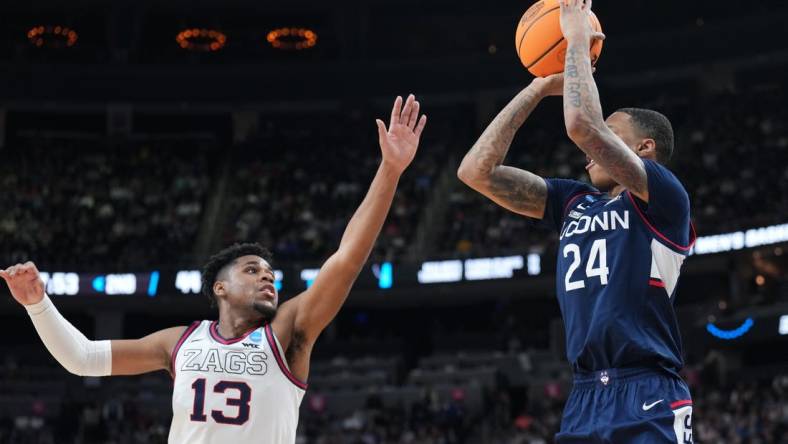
[647,407]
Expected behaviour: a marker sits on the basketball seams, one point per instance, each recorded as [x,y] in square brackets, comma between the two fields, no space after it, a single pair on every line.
[542,63]
[548,51]
[522,37]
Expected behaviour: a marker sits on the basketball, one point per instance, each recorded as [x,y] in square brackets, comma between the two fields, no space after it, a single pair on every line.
[540,43]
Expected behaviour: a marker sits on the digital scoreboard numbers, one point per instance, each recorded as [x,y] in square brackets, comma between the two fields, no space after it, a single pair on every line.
[111,284]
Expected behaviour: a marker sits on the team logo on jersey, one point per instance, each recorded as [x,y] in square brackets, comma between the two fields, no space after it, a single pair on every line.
[604,378]
[256,336]
[225,361]
[603,221]
[575,214]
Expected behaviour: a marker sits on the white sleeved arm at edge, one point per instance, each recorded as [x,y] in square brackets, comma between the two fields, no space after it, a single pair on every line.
[68,345]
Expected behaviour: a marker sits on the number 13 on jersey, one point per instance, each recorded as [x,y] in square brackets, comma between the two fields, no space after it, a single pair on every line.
[595,266]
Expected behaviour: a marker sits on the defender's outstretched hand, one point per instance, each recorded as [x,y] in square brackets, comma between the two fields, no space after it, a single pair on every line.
[400,141]
[25,283]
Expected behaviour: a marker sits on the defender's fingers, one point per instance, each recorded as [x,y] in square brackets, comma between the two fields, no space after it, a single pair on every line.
[381,129]
[420,126]
[405,116]
[395,111]
[414,115]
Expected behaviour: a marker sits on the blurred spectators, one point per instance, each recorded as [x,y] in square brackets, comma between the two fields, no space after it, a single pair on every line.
[296,185]
[85,204]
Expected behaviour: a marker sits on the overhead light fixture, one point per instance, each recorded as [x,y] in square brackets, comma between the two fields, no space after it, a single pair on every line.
[56,36]
[201,39]
[292,39]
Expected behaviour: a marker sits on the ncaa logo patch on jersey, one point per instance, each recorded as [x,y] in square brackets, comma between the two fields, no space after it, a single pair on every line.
[256,336]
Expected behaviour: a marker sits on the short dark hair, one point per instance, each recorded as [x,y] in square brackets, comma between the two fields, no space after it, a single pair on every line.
[218,261]
[656,126]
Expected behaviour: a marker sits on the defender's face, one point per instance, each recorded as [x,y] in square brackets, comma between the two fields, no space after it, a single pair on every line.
[250,282]
[621,126]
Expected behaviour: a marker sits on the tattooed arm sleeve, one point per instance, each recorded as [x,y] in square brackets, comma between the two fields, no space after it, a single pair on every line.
[586,126]
[482,168]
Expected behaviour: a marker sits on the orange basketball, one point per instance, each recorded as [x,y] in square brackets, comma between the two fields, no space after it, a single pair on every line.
[539,41]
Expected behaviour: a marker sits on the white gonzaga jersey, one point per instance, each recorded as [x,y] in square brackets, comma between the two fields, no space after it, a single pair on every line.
[232,391]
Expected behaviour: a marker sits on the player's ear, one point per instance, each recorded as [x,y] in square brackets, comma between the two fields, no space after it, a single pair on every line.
[219,288]
[647,148]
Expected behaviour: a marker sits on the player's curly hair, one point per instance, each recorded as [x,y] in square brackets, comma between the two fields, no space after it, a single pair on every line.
[227,256]
[655,125]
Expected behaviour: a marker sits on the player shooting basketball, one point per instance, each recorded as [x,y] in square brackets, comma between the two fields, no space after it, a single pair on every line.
[621,245]
[239,379]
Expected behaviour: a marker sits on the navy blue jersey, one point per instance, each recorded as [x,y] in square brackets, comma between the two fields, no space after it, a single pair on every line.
[618,265]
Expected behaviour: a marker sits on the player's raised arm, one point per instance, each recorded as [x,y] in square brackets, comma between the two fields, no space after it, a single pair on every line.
[585,124]
[318,305]
[482,167]
[71,348]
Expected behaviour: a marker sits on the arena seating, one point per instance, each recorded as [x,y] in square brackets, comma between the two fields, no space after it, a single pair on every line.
[448,397]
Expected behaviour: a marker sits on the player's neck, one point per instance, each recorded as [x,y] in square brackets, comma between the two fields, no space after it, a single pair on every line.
[616,190]
[232,325]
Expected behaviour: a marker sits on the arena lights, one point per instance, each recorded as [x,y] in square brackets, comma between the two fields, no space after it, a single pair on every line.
[728,335]
[292,38]
[201,39]
[385,274]
[308,275]
[738,240]
[783,327]
[52,36]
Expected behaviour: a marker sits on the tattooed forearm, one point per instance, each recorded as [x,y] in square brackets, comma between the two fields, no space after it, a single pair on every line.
[582,98]
[621,163]
[586,126]
[518,190]
[482,167]
[492,146]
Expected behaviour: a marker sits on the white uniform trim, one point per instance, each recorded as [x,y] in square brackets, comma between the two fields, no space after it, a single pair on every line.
[682,424]
[665,265]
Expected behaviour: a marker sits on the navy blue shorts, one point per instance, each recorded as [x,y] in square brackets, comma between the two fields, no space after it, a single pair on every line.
[628,406]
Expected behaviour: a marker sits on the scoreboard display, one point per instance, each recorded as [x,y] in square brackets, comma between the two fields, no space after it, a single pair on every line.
[291,279]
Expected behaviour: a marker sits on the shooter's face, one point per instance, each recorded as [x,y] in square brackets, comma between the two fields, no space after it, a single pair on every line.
[622,127]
